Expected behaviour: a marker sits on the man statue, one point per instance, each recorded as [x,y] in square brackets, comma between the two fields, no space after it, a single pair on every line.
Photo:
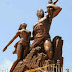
[41,28]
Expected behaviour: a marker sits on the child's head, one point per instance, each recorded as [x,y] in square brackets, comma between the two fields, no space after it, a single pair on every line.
[50,2]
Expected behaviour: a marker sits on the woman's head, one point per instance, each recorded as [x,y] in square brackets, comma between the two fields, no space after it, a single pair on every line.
[40,13]
[22,26]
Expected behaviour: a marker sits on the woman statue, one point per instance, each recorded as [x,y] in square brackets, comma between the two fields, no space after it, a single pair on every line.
[23,45]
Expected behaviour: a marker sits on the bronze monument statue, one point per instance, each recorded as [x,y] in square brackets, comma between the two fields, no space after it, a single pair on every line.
[43,51]
[23,45]
[42,27]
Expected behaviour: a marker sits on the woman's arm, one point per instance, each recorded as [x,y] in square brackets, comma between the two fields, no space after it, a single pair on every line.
[17,34]
[56,10]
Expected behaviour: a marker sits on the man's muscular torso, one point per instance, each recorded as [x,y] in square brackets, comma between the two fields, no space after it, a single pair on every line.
[42,27]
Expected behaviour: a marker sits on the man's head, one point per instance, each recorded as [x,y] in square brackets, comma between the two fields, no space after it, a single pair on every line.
[40,13]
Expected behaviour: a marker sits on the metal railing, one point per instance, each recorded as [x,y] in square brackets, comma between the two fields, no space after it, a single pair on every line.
[48,68]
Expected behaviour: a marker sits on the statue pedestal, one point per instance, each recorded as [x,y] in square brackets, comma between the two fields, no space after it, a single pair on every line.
[37,61]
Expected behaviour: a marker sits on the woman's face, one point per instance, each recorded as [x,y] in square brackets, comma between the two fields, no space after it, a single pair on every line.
[23,26]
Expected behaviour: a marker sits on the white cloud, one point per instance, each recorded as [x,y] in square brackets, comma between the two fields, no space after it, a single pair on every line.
[5,65]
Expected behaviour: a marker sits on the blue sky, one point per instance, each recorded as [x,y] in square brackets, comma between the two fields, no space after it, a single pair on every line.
[15,12]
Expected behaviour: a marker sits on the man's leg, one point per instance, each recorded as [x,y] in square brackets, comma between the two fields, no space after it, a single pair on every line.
[48,48]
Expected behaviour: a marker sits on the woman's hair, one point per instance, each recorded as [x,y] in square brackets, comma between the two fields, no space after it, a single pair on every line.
[22,25]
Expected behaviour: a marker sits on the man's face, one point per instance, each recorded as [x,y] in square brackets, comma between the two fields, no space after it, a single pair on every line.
[40,13]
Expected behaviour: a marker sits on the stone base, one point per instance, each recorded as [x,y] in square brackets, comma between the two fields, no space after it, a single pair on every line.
[33,60]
